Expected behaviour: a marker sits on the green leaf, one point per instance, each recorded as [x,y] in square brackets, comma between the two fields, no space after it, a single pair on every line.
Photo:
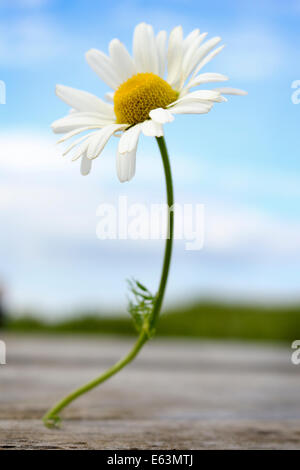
[140,304]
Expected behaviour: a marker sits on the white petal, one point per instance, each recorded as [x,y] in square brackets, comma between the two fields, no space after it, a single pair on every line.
[85,166]
[100,139]
[84,101]
[81,149]
[109,97]
[190,56]
[70,134]
[207,47]
[126,165]
[191,108]
[103,66]
[144,49]
[153,60]
[161,40]
[75,143]
[121,60]
[137,47]
[190,38]
[74,121]
[175,53]
[200,53]
[90,114]
[161,115]
[231,91]
[129,139]
[199,95]
[152,129]
[205,61]
[207,78]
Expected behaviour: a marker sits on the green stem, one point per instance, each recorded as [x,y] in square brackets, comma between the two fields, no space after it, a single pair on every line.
[170,231]
[51,418]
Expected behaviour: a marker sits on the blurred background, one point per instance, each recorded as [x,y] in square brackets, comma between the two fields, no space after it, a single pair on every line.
[241,161]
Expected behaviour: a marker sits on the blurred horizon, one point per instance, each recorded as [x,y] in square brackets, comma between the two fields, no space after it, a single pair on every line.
[241,160]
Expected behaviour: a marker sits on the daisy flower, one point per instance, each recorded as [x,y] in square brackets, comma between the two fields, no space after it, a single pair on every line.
[149,89]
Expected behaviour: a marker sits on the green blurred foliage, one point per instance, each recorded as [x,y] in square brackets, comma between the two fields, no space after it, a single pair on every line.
[200,320]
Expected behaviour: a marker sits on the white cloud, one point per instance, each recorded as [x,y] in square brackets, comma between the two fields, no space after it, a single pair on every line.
[36,173]
[46,206]
[29,152]
[246,232]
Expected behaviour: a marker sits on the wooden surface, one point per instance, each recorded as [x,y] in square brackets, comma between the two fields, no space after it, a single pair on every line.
[176,395]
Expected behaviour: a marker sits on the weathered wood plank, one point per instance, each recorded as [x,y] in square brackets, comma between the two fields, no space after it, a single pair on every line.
[177,394]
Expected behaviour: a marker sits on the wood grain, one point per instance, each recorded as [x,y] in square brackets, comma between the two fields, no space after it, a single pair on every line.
[176,395]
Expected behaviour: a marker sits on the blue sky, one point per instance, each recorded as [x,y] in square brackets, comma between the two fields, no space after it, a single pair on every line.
[241,160]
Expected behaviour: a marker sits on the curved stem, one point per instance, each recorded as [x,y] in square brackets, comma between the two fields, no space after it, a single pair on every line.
[51,418]
[170,231]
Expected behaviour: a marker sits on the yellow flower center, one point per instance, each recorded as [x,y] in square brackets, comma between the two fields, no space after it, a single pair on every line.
[136,97]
